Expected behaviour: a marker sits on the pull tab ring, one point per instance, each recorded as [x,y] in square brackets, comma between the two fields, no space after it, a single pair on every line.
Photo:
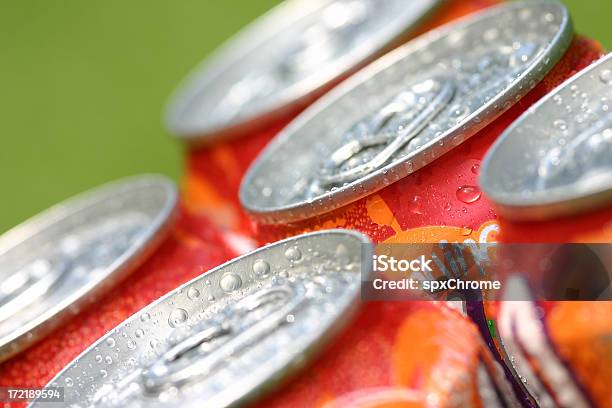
[187,360]
[422,118]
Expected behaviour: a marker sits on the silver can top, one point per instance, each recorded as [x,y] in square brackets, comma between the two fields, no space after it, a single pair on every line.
[556,159]
[405,110]
[229,334]
[283,60]
[60,260]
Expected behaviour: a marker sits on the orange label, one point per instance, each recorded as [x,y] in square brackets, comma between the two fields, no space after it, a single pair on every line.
[381,214]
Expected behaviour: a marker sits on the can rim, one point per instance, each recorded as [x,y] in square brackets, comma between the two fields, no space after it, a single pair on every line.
[362,240]
[292,99]
[550,203]
[373,182]
[151,237]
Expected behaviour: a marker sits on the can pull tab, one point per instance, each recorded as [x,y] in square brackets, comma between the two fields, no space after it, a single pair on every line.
[26,286]
[394,125]
[250,320]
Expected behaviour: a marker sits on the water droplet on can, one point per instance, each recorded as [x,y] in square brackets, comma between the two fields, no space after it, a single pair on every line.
[110,342]
[416,205]
[193,293]
[293,253]
[261,267]
[560,124]
[230,282]
[177,317]
[468,194]
[606,76]
[466,231]
[156,345]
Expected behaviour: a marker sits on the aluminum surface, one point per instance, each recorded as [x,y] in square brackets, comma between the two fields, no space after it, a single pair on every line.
[228,335]
[285,58]
[556,159]
[64,258]
[405,110]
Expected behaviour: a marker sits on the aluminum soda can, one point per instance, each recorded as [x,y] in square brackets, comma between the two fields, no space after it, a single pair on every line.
[395,150]
[549,177]
[186,247]
[232,335]
[559,188]
[67,256]
[233,105]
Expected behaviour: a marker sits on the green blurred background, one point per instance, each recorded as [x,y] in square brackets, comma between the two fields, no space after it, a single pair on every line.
[84,84]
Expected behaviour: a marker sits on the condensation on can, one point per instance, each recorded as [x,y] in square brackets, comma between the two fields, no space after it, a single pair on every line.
[192,247]
[441,201]
[213,172]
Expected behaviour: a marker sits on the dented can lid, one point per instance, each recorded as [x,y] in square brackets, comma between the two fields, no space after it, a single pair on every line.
[405,110]
[63,258]
[556,159]
[229,334]
[283,60]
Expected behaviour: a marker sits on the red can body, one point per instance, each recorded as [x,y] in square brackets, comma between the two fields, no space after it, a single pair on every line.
[594,226]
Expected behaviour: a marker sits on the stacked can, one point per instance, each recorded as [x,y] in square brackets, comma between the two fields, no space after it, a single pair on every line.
[550,177]
[232,106]
[72,273]
[563,196]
